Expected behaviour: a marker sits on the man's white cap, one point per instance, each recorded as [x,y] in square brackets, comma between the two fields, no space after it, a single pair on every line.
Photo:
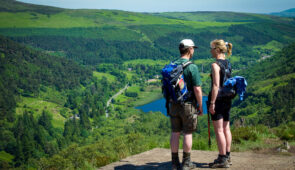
[186,43]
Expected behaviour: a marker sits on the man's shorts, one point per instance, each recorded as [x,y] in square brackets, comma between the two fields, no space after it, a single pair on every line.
[222,110]
[183,117]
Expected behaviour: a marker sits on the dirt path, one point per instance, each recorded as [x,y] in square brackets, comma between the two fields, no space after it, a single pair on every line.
[159,159]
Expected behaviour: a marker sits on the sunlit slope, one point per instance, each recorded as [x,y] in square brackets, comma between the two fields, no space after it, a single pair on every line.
[221,16]
[67,18]
[93,36]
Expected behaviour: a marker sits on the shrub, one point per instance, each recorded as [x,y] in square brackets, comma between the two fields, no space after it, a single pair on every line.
[286,131]
[244,133]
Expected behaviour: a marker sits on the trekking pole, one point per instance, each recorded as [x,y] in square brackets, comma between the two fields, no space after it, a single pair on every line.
[209,136]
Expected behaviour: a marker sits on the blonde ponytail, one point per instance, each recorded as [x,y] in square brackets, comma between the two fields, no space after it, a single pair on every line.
[229,49]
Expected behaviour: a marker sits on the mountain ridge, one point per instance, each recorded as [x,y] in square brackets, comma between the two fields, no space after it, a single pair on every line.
[286,13]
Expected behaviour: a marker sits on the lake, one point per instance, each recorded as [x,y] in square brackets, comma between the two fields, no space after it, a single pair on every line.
[159,105]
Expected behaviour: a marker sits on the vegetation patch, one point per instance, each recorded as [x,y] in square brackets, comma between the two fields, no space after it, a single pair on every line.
[37,106]
[107,76]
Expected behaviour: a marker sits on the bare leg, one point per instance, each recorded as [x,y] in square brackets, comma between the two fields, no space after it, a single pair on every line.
[220,137]
[174,141]
[187,142]
[227,134]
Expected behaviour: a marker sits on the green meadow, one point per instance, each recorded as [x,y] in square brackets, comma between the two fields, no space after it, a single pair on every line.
[146,62]
[101,75]
[37,105]
[271,84]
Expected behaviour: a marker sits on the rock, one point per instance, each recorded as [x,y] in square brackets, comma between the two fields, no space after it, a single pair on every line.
[159,158]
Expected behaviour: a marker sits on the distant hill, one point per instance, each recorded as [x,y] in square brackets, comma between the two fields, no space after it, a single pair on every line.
[92,37]
[209,16]
[286,13]
[15,6]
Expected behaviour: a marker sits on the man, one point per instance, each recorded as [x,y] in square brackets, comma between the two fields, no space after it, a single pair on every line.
[183,116]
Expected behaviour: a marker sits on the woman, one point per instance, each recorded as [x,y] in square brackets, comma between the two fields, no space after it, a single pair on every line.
[220,107]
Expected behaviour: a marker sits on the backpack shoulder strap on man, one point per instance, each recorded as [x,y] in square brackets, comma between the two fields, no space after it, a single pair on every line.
[185,64]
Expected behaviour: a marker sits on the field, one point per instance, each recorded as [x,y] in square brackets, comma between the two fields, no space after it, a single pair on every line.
[108,76]
[37,105]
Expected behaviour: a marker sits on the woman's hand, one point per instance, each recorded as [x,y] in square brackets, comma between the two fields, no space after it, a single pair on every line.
[212,108]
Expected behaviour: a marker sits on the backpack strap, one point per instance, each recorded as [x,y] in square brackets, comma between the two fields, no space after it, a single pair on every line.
[185,64]
[224,69]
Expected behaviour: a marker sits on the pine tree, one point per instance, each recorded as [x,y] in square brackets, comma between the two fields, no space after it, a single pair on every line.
[45,121]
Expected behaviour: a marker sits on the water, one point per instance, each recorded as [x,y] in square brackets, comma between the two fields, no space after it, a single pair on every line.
[159,105]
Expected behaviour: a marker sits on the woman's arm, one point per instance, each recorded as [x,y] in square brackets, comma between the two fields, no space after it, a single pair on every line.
[215,87]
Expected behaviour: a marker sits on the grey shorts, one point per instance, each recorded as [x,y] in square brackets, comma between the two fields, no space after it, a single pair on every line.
[183,117]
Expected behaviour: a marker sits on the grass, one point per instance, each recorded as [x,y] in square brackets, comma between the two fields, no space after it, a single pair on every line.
[262,145]
[203,61]
[36,20]
[212,16]
[146,62]
[130,74]
[106,32]
[151,93]
[271,84]
[100,75]
[234,59]
[6,157]
[94,18]
[37,105]
[52,95]
[268,49]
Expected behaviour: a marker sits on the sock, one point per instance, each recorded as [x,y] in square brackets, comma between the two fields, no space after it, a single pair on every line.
[222,156]
[186,154]
[175,156]
[227,154]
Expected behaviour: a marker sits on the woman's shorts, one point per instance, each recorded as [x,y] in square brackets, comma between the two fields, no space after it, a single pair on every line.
[222,110]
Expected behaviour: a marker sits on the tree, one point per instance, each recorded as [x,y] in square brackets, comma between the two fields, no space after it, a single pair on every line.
[45,121]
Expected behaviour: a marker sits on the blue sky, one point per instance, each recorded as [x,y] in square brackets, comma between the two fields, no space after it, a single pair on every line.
[252,6]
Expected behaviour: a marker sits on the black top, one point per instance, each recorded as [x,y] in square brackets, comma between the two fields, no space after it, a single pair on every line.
[224,73]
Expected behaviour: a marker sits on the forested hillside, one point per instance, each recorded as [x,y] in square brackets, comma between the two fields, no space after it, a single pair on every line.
[63,90]
[271,93]
[24,71]
[92,37]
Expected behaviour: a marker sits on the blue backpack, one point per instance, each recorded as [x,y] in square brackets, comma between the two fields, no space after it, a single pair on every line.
[231,85]
[174,87]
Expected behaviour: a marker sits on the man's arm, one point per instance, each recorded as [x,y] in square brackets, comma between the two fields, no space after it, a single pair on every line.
[198,94]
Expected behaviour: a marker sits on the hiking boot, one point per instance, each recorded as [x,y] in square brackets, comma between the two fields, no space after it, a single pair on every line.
[186,162]
[220,162]
[229,160]
[175,162]
[176,166]
[188,166]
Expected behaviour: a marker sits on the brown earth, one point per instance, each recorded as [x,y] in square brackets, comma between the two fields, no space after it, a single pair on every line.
[159,159]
